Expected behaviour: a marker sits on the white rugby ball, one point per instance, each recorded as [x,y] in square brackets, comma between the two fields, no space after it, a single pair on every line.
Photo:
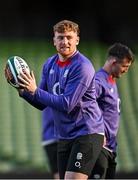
[14,66]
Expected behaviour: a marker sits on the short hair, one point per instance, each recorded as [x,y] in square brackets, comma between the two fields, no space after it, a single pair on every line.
[119,52]
[66,25]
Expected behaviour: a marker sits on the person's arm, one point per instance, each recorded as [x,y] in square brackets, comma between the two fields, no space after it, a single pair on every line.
[77,84]
[29,97]
[98,87]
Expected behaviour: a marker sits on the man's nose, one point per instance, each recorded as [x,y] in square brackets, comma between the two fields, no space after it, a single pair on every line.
[65,40]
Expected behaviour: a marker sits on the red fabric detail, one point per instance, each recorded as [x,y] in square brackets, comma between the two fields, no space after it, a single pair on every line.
[111,80]
[63,64]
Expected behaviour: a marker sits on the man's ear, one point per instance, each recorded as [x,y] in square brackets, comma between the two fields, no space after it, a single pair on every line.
[114,61]
[78,40]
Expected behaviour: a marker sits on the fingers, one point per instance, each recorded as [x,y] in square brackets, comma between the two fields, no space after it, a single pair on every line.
[27,82]
[25,76]
[23,81]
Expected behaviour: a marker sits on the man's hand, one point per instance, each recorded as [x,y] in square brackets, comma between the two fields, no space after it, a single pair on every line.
[27,82]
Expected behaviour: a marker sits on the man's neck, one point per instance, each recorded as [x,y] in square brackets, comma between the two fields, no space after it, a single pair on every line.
[65,58]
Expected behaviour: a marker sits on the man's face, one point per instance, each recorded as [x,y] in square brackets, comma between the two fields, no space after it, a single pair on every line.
[120,68]
[66,43]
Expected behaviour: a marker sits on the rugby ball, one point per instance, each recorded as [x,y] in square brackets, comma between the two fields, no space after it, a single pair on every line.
[14,66]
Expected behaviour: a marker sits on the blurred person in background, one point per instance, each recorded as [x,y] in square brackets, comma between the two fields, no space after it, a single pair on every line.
[119,60]
[67,87]
[49,142]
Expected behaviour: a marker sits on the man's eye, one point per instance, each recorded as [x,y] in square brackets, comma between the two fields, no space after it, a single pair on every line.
[59,37]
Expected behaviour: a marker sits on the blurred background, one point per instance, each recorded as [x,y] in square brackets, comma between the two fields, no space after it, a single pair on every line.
[26,31]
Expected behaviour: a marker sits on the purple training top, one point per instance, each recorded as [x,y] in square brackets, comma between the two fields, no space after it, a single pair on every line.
[68,89]
[109,103]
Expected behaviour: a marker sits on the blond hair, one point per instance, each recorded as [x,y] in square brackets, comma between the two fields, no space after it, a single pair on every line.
[66,26]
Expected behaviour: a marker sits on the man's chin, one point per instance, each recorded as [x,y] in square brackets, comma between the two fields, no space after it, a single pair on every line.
[65,54]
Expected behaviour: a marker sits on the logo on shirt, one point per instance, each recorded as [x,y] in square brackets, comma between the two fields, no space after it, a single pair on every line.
[118,105]
[56,89]
[51,71]
[66,73]
[112,90]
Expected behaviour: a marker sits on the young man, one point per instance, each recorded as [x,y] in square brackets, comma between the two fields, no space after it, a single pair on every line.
[67,88]
[119,59]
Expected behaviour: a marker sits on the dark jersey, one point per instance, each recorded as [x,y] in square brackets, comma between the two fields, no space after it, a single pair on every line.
[68,89]
[109,103]
[48,135]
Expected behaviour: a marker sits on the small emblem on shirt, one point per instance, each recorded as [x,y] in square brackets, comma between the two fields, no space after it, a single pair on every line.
[56,88]
[111,90]
[51,71]
[66,73]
